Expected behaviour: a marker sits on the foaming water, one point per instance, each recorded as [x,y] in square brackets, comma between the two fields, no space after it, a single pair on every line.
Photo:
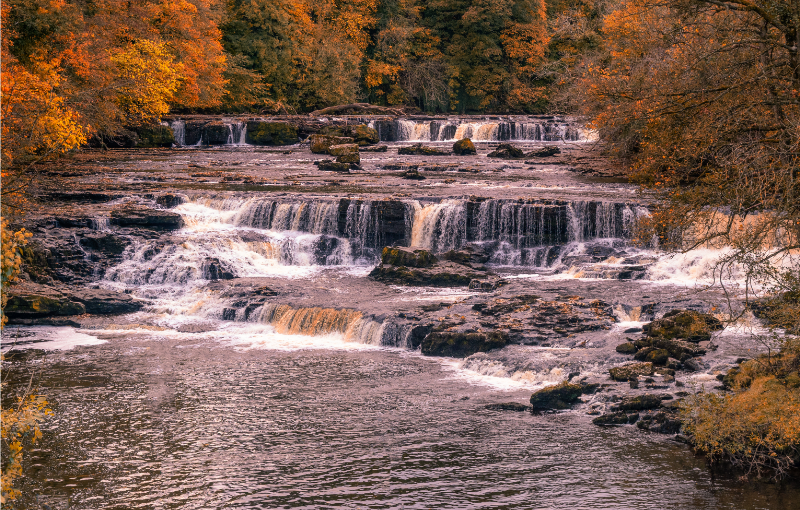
[49,338]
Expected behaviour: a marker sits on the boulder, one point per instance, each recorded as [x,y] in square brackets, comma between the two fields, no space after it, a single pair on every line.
[413,174]
[213,269]
[626,348]
[544,152]
[660,423]
[105,302]
[657,356]
[155,136]
[560,396]
[507,151]
[639,403]
[461,345]
[408,257]
[332,166]
[421,150]
[631,371]
[133,215]
[469,254]
[31,300]
[441,274]
[364,135]
[170,200]
[345,153]
[684,324]
[321,143]
[270,133]
[464,147]
[376,148]
[619,418]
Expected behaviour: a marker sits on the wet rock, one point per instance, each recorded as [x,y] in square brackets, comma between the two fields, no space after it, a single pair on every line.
[693,365]
[421,150]
[684,324]
[628,372]
[170,200]
[608,419]
[506,151]
[133,215]
[105,302]
[657,356]
[673,364]
[270,133]
[321,143]
[483,286]
[560,396]
[376,148]
[626,348]
[155,136]
[364,135]
[461,345]
[639,403]
[333,166]
[408,257]
[345,153]
[213,269]
[30,300]
[107,243]
[216,133]
[413,174]
[442,274]
[507,406]
[468,255]
[464,147]
[545,152]
[660,423]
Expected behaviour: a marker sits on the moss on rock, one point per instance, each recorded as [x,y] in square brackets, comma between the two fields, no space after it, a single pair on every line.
[271,133]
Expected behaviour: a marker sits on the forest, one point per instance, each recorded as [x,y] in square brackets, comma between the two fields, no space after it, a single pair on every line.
[699,100]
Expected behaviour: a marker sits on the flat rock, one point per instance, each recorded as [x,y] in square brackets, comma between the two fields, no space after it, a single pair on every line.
[105,302]
[461,345]
[560,396]
[133,215]
[631,371]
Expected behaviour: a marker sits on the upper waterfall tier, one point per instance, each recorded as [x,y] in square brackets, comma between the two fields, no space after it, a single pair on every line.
[543,129]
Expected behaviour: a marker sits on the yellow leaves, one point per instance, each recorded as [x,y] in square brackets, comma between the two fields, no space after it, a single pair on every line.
[148,79]
[20,427]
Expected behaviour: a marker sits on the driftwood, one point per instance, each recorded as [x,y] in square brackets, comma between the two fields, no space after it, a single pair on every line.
[359,108]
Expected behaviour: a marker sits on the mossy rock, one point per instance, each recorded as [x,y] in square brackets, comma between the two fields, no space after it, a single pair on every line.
[657,356]
[408,257]
[619,418]
[216,133]
[345,153]
[640,403]
[361,133]
[421,150]
[35,305]
[461,345]
[155,136]
[333,166]
[270,133]
[321,143]
[632,371]
[560,396]
[626,348]
[507,151]
[401,275]
[684,324]
[464,147]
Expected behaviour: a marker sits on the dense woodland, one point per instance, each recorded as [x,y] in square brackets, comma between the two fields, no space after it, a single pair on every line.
[699,98]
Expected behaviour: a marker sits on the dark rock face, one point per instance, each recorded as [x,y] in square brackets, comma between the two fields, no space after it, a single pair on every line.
[413,174]
[560,396]
[215,133]
[464,147]
[30,301]
[105,302]
[213,269]
[640,403]
[632,371]
[684,324]
[421,150]
[333,166]
[507,151]
[461,345]
[270,133]
[155,136]
[443,274]
[130,215]
[545,152]
[470,254]
[170,200]
[361,133]
[626,348]
[620,418]
[408,257]
[376,148]
[660,423]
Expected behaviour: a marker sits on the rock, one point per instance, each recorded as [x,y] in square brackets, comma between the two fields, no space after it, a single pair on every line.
[464,147]
[413,174]
[684,324]
[364,135]
[28,301]
[155,136]
[345,153]
[215,133]
[270,133]
[507,406]
[609,419]
[333,166]
[105,302]
[626,348]
[408,257]
[170,200]
[560,396]
[673,364]
[109,244]
[660,423]
[441,274]
[321,143]
[132,215]
[469,254]
[483,286]
[627,372]
[377,148]
[421,150]
[461,345]
[507,151]
[639,403]
[657,356]
[545,152]
[693,365]
[213,269]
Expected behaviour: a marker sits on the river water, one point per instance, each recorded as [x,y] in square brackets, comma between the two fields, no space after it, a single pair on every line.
[194,403]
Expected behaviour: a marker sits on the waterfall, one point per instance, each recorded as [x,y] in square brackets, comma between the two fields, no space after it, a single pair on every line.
[236,133]
[544,129]
[179,129]
[323,321]
[440,227]
[313,217]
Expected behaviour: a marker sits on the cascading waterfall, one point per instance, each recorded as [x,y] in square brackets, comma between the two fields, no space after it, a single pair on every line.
[455,128]
[351,324]
[179,130]
[440,227]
